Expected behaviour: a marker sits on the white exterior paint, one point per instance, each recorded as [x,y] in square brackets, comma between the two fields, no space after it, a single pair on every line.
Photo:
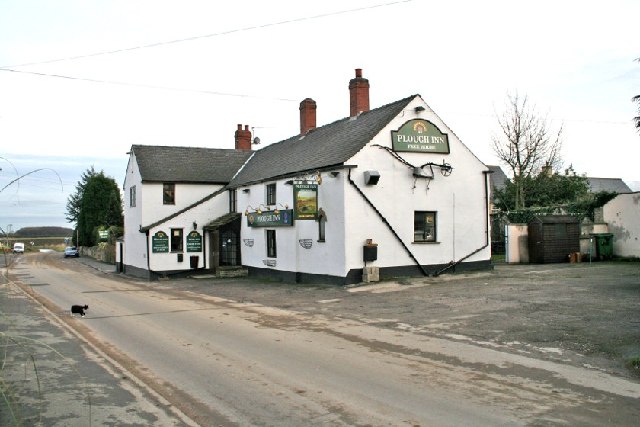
[322,257]
[149,208]
[460,201]
[623,217]
[135,252]
[516,238]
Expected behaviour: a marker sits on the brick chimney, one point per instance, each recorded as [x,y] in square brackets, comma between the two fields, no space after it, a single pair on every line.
[359,93]
[243,138]
[307,115]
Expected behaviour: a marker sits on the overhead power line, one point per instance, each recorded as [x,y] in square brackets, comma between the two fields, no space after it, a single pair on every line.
[146,86]
[193,38]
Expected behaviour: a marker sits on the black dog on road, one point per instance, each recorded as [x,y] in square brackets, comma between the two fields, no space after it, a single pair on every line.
[79,309]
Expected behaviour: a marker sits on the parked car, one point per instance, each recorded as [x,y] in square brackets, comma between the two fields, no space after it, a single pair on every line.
[18,248]
[71,251]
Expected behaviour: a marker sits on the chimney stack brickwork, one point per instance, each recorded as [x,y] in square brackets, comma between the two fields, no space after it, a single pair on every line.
[243,138]
[359,93]
[307,115]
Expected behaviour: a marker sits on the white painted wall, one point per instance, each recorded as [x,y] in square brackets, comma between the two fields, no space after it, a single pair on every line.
[322,257]
[458,199]
[201,215]
[623,217]
[150,208]
[154,209]
[134,242]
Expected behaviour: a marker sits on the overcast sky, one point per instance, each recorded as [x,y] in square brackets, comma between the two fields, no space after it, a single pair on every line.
[81,81]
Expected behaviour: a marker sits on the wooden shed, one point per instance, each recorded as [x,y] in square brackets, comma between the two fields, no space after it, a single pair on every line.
[553,238]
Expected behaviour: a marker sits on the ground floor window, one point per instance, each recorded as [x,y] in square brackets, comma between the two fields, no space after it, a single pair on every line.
[176,240]
[271,244]
[424,226]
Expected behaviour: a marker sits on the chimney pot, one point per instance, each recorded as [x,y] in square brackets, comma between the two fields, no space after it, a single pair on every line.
[307,115]
[359,93]
[243,138]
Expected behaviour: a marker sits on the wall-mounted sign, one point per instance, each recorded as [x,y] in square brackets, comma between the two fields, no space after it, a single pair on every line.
[103,235]
[305,200]
[160,242]
[270,218]
[421,136]
[194,242]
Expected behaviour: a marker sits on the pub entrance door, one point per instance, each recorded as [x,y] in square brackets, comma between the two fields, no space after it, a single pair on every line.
[229,248]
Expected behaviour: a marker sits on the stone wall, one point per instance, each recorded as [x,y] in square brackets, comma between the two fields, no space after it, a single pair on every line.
[103,252]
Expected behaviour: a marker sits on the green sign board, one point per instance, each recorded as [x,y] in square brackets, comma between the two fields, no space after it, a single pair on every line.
[103,235]
[270,218]
[305,199]
[160,242]
[421,136]
[194,242]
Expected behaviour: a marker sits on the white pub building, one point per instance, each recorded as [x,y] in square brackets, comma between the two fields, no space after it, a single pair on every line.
[385,192]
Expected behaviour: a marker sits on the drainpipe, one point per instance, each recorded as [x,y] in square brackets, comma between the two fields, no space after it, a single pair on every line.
[486,228]
[148,260]
[424,272]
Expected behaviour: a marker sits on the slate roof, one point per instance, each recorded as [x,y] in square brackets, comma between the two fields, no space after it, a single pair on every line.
[188,164]
[497,178]
[611,185]
[222,220]
[323,147]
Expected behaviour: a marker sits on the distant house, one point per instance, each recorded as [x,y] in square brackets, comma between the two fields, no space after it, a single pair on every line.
[610,185]
[622,215]
[497,180]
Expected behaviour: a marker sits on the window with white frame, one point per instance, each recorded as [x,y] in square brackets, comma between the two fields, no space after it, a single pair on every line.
[132,196]
[271,194]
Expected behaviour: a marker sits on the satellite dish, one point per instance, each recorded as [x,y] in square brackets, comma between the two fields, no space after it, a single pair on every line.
[256,140]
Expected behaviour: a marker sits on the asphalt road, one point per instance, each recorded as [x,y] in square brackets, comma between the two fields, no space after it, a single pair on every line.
[424,352]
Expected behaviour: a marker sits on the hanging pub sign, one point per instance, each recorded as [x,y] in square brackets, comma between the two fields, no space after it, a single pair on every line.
[194,242]
[305,200]
[160,242]
[420,136]
[103,235]
[274,218]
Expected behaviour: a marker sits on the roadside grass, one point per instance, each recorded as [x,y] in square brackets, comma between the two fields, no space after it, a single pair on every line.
[633,363]
[497,258]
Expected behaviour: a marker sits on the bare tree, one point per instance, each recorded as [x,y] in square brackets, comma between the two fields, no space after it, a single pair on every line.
[526,144]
